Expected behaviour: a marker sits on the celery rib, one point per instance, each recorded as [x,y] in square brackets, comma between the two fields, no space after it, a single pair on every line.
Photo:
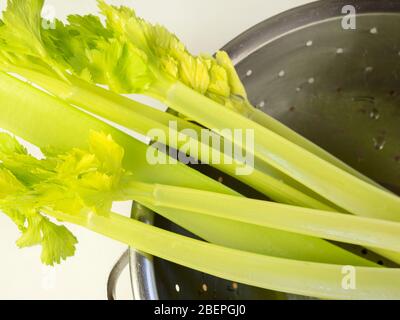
[367,232]
[273,246]
[46,121]
[279,128]
[338,186]
[142,119]
[305,278]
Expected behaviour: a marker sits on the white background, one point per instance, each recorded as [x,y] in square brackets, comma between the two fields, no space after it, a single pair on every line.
[205,26]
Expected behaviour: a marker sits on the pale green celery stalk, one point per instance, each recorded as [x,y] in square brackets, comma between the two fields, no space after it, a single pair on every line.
[279,128]
[341,188]
[362,231]
[257,239]
[46,121]
[261,240]
[142,119]
[284,275]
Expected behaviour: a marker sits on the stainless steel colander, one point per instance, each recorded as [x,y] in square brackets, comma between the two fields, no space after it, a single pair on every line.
[338,87]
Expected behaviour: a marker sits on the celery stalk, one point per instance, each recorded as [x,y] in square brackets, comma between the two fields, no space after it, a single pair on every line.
[131,55]
[338,186]
[291,276]
[142,119]
[46,121]
[279,128]
[362,231]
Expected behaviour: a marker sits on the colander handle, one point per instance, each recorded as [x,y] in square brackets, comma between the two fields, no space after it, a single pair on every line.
[115,273]
[140,264]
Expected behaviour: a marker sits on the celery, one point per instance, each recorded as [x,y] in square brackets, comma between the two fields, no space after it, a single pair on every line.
[244,107]
[83,183]
[279,128]
[298,277]
[362,231]
[343,189]
[312,279]
[77,181]
[142,119]
[46,121]
[130,55]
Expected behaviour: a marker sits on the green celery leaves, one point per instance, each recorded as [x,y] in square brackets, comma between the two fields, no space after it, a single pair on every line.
[76,182]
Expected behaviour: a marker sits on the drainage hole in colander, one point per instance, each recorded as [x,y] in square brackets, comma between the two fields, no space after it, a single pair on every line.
[311,80]
[309,43]
[339,50]
[261,104]
[249,73]
[374,114]
[369,69]
[379,143]
[374,30]
[366,252]
[281,73]
[233,287]
[177,288]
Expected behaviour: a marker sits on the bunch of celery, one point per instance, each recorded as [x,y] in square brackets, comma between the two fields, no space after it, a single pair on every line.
[271,245]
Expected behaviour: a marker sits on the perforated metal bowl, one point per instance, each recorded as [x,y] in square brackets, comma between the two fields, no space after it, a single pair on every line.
[339,88]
